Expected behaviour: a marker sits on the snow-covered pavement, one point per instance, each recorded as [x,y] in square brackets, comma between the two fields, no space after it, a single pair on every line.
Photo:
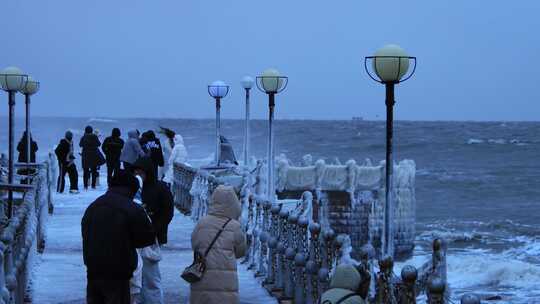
[60,275]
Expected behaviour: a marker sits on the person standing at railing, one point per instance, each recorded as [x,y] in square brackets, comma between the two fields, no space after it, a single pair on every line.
[132,150]
[112,227]
[91,157]
[21,148]
[112,148]
[219,284]
[66,164]
[179,154]
[151,145]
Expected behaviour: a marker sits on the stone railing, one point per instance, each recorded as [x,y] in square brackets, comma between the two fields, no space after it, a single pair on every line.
[23,234]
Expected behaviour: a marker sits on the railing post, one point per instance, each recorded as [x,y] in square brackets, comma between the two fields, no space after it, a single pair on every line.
[256,233]
[313,264]
[249,231]
[300,261]
[365,271]
[407,292]
[385,287]
[290,254]
[281,247]
[436,289]
[272,244]
[264,237]
[470,299]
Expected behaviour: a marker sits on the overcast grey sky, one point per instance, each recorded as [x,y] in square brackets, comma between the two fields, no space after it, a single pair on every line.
[477,60]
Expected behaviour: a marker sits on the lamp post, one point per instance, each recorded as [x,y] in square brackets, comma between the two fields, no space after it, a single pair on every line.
[30,88]
[12,80]
[271,83]
[218,89]
[247,84]
[390,64]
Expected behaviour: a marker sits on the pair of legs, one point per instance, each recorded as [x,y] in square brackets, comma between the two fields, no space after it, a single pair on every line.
[87,172]
[71,170]
[112,168]
[108,292]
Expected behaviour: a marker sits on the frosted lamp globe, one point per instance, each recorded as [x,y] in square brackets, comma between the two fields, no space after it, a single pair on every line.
[389,69]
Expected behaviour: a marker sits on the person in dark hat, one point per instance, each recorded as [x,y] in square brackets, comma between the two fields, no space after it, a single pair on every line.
[91,156]
[112,227]
[66,164]
[112,148]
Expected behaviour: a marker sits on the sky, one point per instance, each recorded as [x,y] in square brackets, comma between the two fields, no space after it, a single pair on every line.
[477,60]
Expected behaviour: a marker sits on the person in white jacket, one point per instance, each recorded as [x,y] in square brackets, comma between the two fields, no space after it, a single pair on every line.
[179,155]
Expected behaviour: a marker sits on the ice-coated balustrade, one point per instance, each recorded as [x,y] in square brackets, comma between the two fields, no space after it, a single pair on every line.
[23,235]
[294,244]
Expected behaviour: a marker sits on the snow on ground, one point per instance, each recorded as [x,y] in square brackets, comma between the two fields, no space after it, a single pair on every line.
[60,274]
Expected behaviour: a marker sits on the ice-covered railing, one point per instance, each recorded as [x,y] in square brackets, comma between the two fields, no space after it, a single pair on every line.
[360,211]
[22,235]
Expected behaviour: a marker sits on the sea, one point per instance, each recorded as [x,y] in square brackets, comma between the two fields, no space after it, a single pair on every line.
[477,183]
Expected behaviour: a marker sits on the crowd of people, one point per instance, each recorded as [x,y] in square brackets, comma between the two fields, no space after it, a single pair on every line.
[124,229]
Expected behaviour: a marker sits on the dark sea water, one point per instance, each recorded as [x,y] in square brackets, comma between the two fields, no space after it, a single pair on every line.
[477,184]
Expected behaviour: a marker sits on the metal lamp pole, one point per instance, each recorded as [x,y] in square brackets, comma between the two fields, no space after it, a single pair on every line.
[247,84]
[390,64]
[271,83]
[29,89]
[12,80]
[218,90]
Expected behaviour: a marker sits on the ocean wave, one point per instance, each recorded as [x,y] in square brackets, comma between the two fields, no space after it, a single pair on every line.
[105,120]
[497,141]
[494,270]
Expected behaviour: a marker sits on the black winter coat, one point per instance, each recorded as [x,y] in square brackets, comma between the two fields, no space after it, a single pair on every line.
[153,147]
[21,148]
[157,200]
[112,148]
[62,151]
[91,156]
[112,227]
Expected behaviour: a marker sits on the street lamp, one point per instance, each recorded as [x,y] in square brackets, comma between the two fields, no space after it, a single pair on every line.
[30,88]
[12,80]
[391,64]
[247,84]
[218,89]
[271,83]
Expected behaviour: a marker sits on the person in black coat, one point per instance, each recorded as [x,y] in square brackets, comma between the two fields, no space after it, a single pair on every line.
[112,148]
[66,164]
[112,227]
[156,197]
[21,148]
[91,156]
[152,146]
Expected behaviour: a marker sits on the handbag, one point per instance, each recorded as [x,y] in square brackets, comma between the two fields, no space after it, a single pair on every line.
[152,252]
[194,272]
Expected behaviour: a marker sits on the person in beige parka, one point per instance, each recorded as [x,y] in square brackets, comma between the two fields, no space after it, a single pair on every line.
[220,281]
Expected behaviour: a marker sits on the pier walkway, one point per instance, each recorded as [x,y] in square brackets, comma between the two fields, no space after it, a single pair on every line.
[60,275]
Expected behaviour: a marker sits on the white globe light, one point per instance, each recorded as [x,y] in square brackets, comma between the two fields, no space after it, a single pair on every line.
[247,82]
[271,81]
[390,69]
[31,87]
[218,89]
[12,79]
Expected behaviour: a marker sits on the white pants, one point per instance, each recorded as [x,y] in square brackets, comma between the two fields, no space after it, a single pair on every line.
[151,291]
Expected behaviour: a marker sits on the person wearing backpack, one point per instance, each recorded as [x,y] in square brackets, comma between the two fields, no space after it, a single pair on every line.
[343,287]
[219,283]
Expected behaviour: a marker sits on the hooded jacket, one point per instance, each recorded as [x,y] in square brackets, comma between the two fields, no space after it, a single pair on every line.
[91,156]
[343,286]
[157,199]
[112,146]
[132,148]
[220,281]
[178,155]
[152,147]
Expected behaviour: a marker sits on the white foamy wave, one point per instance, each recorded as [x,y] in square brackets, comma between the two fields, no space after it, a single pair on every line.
[102,120]
[451,236]
[469,269]
[496,141]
